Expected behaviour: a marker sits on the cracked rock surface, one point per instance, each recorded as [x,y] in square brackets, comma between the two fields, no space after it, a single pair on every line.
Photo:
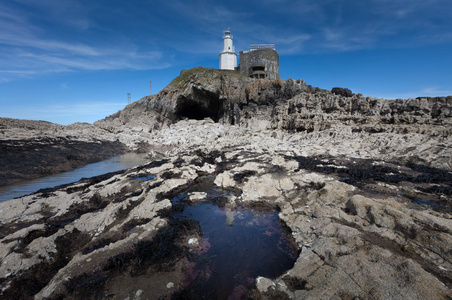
[363,237]
[364,185]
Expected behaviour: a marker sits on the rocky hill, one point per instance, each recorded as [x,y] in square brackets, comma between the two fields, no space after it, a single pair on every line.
[363,186]
[414,130]
[230,98]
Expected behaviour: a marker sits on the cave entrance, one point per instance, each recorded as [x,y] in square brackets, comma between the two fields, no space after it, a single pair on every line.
[199,106]
[195,111]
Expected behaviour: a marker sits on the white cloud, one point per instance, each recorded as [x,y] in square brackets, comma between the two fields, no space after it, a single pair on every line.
[67,113]
[426,92]
[7,75]
[92,108]
[28,50]
[207,13]
[71,13]
[29,40]
[291,44]
[30,63]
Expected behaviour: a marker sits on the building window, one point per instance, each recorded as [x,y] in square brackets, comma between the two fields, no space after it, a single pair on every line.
[258,68]
[258,72]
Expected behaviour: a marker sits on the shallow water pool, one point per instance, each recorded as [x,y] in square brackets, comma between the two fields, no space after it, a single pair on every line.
[237,245]
[112,164]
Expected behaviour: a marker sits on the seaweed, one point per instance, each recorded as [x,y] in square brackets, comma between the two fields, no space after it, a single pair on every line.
[31,281]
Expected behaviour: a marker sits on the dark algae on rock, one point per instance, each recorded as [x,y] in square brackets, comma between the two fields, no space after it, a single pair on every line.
[29,159]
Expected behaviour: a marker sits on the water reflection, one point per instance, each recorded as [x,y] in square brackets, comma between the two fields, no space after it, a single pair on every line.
[230,216]
[237,246]
[113,164]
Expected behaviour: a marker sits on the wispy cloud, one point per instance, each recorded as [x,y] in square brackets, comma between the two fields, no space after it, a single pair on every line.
[30,40]
[28,49]
[71,13]
[338,26]
[29,63]
[47,36]
[68,113]
[325,26]
[426,92]
[91,108]
[287,43]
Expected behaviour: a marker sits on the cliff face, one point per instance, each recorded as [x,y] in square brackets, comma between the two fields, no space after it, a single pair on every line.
[321,110]
[225,97]
[230,98]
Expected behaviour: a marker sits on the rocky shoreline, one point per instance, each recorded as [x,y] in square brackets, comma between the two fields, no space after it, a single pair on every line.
[35,149]
[36,158]
[367,202]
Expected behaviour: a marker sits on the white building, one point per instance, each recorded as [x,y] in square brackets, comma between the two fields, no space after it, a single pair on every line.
[228,57]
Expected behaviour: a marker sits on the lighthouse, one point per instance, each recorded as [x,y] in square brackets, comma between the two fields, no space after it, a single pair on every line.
[228,57]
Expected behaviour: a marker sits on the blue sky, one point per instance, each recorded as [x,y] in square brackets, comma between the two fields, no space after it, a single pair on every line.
[68,61]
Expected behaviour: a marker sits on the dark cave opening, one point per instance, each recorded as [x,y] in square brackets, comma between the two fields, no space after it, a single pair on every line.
[193,110]
[200,106]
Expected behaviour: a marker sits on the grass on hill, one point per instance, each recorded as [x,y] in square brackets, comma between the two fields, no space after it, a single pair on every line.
[187,74]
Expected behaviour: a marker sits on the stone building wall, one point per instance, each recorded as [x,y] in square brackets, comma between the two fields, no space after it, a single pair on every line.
[260,63]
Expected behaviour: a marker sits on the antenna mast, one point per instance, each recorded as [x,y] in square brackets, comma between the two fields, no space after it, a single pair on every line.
[128,98]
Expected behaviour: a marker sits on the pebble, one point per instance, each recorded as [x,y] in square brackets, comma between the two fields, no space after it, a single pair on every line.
[170,285]
[139,293]
[193,241]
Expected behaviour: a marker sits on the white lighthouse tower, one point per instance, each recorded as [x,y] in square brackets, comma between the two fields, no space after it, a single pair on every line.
[228,57]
